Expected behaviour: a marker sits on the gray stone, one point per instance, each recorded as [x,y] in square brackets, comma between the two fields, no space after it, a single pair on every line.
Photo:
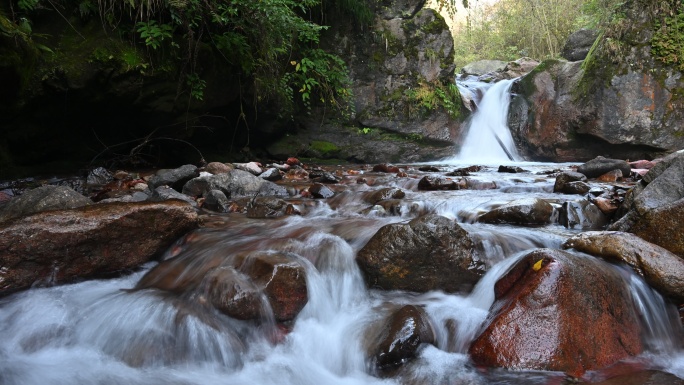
[163,193]
[42,199]
[271,174]
[234,184]
[482,67]
[216,200]
[175,178]
[526,211]
[578,44]
[600,165]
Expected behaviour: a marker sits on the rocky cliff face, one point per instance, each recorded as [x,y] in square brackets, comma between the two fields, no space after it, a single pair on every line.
[407,105]
[623,100]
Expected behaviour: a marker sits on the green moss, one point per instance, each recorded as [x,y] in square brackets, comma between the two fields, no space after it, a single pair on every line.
[323,147]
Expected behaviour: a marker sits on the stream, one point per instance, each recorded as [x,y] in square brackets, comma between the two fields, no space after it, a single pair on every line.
[99,332]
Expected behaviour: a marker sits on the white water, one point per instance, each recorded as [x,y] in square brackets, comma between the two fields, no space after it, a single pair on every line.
[487,132]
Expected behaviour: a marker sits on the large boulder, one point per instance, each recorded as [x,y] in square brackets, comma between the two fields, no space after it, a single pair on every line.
[662,269]
[428,253]
[578,44]
[66,245]
[654,209]
[559,311]
[482,67]
[600,166]
[174,178]
[42,199]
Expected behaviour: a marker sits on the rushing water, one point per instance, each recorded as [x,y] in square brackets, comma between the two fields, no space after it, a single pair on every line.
[100,332]
[487,137]
[96,333]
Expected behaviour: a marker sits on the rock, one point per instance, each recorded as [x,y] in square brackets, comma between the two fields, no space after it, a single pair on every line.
[320,176]
[583,215]
[42,199]
[578,44]
[253,168]
[403,333]
[428,169]
[579,188]
[321,191]
[482,67]
[428,253]
[526,211]
[217,168]
[561,312]
[216,200]
[646,377]
[662,269]
[511,169]
[518,68]
[386,168]
[233,293]
[99,177]
[654,210]
[600,165]
[607,206]
[292,161]
[611,176]
[376,196]
[282,277]
[271,174]
[564,178]
[234,184]
[67,245]
[175,178]
[163,193]
[431,183]
[642,164]
[268,207]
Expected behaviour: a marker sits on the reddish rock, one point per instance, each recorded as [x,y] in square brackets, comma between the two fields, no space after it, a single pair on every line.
[607,206]
[563,180]
[66,245]
[282,277]
[522,211]
[376,196]
[218,168]
[318,190]
[559,311]
[386,168]
[431,183]
[611,176]
[292,161]
[642,164]
[233,294]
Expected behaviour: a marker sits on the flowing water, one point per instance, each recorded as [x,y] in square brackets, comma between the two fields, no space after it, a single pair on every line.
[99,332]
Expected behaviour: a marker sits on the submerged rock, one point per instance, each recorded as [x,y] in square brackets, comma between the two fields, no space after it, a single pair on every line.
[428,253]
[662,269]
[66,245]
[562,312]
[583,215]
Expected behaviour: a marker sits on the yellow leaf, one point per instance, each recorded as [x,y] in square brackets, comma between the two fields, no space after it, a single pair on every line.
[293,62]
[538,265]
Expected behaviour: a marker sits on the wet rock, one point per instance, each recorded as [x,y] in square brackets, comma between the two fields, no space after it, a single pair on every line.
[216,200]
[66,245]
[376,196]
[583,215]
[642,164]
[428,169]
[391,206]
[175,178]
[559,311]
[163,193]
[99,177]
[282,277]
[233,293]
[474,184]
[607,206]
[271,174]
[386,168]
[268,207]
[564,178]
[234,184]
[600,165]
[403,333]
[42,199]
[646,377]
[527,211]
[511,169]
[321,191]
[578,188]
[611,176]
[662,269]
[253,168]
[217,168]
[654,209]
[320,176]
[432,183]
[428,253]
[292,161]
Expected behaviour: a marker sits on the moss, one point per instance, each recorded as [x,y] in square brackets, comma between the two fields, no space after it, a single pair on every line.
[435,27]
[323,147]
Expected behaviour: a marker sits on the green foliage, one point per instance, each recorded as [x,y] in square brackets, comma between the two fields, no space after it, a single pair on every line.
[667,44]
[357,9]
[154,33]
[432,96]
[196,85]
[27,5]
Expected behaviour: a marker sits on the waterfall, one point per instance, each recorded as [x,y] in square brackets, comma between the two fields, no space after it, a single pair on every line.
[488,139]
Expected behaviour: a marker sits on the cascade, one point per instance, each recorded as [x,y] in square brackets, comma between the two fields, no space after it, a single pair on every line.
[487,138]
